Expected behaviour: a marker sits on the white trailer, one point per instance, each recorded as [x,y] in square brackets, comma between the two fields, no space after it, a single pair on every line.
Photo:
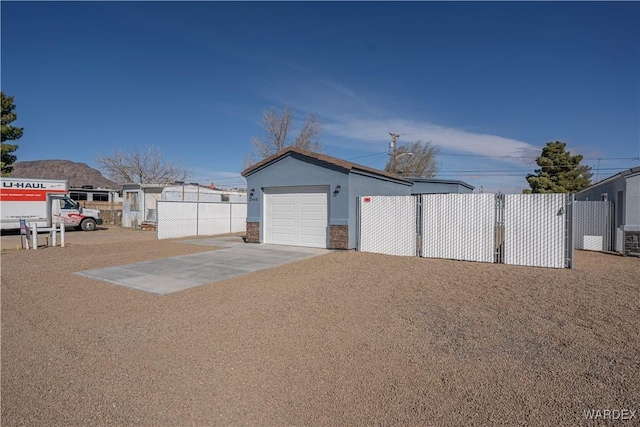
[42,201]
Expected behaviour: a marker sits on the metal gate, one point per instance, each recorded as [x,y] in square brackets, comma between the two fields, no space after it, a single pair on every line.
[592,225]
[458,226]
[536,229]
[388,224]
[182,219]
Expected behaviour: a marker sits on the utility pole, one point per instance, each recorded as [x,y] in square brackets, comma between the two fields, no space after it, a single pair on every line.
[394,138]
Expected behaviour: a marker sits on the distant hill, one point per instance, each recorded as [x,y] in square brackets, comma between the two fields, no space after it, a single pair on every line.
[78,174]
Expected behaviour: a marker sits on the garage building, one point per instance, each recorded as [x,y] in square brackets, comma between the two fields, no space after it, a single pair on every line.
[300,198]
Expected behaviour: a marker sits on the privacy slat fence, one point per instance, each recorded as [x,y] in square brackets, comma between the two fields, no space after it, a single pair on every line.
[519,229]
[593,225]
[390,225]
[535,230]
[458,226]
[182,219]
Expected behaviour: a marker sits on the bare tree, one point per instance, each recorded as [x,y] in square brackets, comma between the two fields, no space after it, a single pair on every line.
[141,166]
[417,159]
[277,129]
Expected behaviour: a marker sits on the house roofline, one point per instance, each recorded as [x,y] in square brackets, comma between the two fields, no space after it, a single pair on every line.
[440,181]
[633,171]
[344,164]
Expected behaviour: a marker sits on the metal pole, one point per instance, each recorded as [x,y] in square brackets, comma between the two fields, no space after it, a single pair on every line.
[62,228]
[394,138]
[197,218]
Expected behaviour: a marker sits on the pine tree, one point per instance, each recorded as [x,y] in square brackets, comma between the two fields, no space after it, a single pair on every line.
[9,133]
[559,172]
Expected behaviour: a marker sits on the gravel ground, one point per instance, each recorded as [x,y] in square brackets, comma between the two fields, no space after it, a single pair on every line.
[346,338]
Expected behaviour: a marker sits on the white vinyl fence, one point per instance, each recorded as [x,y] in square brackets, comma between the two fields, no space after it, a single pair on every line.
[535,230]
[182,219]
[520,229]
[388,224]
[592,225]
[458,226]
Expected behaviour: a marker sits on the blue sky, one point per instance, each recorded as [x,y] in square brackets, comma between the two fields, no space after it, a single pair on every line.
[193,78]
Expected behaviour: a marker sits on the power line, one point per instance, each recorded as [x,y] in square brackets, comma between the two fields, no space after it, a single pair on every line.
[520,170]
[368,155]
[381,156]
[533,157]
[502,157]
[489,173]
[239,177]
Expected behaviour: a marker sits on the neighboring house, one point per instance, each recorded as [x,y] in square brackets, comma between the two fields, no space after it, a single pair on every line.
[232,196]
[438,186]
[623,189]
[195,192]
[301,198]
[140,200]
[139,204]
[87,193]
[190,193]
[107,200]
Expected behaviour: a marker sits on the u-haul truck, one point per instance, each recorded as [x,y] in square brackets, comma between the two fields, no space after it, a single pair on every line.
[43,201]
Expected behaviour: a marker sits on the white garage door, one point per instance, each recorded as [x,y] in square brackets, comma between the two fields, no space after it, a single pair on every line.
[296,216]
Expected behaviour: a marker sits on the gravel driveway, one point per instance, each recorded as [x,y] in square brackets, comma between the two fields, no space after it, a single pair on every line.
[346,338]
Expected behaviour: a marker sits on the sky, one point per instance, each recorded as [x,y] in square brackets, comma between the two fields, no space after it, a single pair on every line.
[489,83]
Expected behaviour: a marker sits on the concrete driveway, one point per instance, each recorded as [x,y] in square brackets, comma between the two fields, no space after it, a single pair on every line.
[168,275]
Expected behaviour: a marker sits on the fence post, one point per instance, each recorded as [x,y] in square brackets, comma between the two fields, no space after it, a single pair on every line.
[419,221]
[498,234]
[62,229]
[569,224]
[612,226]
[34,235]
[358,223]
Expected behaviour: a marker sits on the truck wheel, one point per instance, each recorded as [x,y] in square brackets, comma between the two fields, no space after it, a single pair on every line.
[88,224]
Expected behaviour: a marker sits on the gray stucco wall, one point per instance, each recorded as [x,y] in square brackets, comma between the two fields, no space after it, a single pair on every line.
[296,170]
[595,192]
[291,171]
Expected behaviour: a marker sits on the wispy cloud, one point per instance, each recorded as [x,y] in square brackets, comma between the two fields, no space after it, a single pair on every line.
[327,84]
[361,118]
[375,132]
[366,118]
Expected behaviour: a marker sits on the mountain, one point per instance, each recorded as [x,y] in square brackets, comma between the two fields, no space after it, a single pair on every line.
[78,174]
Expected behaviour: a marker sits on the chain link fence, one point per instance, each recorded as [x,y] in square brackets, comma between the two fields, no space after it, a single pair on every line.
[519,229]
[593,224]
[534,230]
[181,219]
[458,226]
[388,224]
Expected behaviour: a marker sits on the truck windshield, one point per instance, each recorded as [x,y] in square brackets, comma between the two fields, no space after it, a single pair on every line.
[68,204]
